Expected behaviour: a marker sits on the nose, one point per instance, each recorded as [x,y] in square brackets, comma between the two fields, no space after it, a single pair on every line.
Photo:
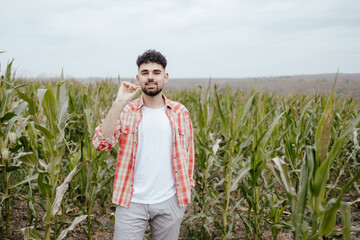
[151,76]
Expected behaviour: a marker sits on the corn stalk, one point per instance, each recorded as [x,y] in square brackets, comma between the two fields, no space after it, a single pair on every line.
[49,122]
[206,195]
[314,176]
[232,125]
[10,112]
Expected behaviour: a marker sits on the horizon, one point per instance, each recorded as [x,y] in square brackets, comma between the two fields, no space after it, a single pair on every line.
[190,78]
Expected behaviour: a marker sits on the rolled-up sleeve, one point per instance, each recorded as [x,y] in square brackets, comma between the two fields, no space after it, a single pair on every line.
[102,143]
[191,150]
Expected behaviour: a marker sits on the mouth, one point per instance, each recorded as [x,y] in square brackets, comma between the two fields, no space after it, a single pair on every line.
[151,84]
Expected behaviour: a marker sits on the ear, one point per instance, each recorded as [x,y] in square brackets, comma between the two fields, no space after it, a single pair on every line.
[166,77]
[137,79]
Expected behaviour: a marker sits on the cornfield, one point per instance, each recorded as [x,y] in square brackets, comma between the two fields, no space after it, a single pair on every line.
[266,166]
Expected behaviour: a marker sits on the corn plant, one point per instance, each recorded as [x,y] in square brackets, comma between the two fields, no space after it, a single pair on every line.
[206,196]
[10,112]
[233,120]
[49,120]
[314,175]
[263,146]
[276,212]
[237,138]
[93,177]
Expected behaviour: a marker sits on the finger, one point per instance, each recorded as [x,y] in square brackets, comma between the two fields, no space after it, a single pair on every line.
[134,87]
[129,86]
[126,84]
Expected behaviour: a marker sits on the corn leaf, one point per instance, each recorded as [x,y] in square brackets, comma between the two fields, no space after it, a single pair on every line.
[223,121]
[298,218]
[33,177]
[48,102]
[61,190]
[280,171]
[328,217]
[76,221]
[45,131]
[27,158]
[7,117]
[240,175]
[32,104]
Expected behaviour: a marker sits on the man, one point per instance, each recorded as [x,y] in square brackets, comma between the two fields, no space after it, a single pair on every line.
[155,163]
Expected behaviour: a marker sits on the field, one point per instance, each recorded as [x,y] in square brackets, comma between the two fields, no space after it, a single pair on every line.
[268,165]
[348,85]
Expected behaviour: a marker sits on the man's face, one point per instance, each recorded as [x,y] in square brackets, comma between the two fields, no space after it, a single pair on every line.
[152,78]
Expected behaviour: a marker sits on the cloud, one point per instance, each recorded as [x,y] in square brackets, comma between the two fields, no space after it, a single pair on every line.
[200,38]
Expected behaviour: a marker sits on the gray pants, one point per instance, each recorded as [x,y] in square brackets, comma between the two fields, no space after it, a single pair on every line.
[164,218]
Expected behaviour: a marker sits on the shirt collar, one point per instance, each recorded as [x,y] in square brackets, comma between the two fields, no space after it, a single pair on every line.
[167,102]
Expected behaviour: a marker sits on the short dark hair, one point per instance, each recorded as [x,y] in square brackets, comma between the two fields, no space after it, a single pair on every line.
[151,56]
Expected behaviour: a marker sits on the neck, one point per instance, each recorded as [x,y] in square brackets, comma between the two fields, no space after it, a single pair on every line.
[153,101]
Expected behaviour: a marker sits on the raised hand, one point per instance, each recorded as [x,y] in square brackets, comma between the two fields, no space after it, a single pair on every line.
[127,91]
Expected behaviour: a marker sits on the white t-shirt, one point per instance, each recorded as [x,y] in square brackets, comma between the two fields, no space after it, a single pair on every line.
[154,177]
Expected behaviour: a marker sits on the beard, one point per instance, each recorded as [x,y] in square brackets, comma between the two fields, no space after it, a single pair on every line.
[152,92]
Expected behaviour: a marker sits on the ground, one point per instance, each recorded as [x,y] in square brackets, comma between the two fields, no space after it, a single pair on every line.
[19,219]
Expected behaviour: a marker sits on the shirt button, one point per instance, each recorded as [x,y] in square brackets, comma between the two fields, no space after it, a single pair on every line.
[125,131]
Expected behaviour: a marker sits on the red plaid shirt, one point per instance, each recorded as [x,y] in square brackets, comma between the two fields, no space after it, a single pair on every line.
[127,135]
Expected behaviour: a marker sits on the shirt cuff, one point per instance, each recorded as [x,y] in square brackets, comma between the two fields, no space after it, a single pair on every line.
[111,140]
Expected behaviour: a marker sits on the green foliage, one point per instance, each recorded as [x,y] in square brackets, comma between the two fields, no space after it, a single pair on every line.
[242,140]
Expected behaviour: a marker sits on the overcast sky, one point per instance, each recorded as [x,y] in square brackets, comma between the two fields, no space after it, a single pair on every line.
[200,38]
